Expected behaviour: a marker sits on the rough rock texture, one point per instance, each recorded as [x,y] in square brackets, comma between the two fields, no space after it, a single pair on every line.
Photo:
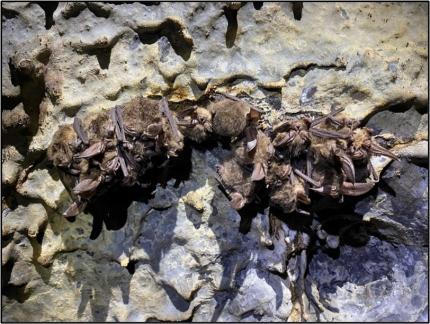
[24,220]
[41,185]
[176,258]
[374,282]
[184,254]
[400,210]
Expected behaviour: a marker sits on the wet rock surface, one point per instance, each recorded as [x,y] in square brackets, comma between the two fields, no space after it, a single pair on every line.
[180,252]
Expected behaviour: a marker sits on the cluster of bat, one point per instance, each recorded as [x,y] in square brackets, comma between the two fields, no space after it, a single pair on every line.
[328,155]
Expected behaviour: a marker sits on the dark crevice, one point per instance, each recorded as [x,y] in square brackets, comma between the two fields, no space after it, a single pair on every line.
[235,79]
[232,26]
[8,103]
[43,56]
[98,10]
[303,69]
[111,205]
[49,7]
[8,13]
[32,93]
[251,314]
[103,57]
[177,300]
[174,32]
[249,211]
[5,276]
[17,293]
[258,4]
[151,3]
[297,9]
[131,266]
[14,77]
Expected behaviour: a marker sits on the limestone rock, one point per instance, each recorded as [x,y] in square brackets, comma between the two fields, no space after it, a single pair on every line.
[11,165]
[10,172]
[373,282]
[162,264]
[41,184]
[14,119]
[18,249]
[26,220]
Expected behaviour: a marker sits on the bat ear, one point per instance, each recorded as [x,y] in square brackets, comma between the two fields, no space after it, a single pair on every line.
[254,113]
[237,201]
[258,173]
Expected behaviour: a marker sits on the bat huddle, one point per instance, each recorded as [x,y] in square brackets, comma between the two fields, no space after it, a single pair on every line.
[328,155]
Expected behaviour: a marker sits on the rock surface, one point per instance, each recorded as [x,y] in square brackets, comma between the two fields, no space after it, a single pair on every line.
[177,259]
[184,254]
[400,211]
[371,283]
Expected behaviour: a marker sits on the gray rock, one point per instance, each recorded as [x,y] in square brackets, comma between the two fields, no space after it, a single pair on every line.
[377,281]
[163,198]
[19,248]
[332,241]
[400,210]
[403,125]
[322,234]
[22,273]
[10,172]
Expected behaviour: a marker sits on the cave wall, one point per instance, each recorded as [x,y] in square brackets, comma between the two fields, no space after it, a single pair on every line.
[182,254]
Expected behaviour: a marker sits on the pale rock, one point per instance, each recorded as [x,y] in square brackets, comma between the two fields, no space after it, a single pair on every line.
[26,220]
[40,184]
